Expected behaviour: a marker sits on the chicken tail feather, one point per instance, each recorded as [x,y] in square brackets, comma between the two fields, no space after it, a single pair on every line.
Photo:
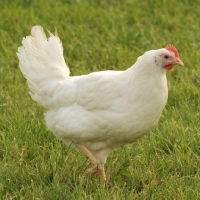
[42,63]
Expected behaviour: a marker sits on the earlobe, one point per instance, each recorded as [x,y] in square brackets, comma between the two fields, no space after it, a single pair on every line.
[158,60]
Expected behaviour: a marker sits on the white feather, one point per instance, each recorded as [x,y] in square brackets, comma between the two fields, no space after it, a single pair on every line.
[101,110]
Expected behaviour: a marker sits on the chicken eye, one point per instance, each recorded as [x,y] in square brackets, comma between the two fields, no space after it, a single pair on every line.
[166,57]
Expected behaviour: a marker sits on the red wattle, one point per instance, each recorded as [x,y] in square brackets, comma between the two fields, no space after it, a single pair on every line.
[169,67]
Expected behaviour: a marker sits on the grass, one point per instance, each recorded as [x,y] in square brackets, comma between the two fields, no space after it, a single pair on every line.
[99,35]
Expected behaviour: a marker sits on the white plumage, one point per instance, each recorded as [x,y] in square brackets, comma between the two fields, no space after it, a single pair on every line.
[101,111]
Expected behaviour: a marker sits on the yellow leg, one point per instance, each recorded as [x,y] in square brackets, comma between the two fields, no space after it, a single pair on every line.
[102,174]
[98,167]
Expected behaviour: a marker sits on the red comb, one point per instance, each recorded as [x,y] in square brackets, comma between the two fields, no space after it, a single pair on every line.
[171,47]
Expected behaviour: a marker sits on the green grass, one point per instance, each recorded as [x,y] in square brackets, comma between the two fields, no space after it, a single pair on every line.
[99,35]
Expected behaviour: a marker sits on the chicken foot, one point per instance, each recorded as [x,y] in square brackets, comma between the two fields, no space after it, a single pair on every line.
[98,167]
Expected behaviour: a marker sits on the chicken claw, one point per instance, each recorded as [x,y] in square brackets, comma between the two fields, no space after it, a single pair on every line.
[98,167]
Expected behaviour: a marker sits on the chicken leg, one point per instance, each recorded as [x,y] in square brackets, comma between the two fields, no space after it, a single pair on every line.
[98,167]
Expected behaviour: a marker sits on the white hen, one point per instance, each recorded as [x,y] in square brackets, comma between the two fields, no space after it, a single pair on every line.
[101,111]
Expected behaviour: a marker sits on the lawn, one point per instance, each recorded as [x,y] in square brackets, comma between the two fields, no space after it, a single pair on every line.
[99,35]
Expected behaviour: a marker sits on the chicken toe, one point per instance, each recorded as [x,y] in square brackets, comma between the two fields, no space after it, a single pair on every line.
[98,167]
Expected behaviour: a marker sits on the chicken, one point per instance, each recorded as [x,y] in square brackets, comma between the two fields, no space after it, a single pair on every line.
[102,111]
